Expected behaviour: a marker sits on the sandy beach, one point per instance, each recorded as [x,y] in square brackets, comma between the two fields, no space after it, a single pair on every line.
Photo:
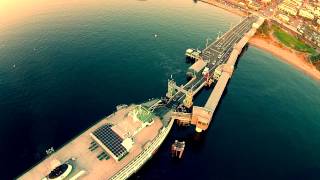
[225,7]
[299,60]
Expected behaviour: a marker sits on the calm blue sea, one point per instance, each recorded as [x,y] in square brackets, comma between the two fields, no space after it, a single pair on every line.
[62,71]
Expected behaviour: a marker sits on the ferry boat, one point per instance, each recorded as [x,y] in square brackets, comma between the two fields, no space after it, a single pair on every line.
[114,148]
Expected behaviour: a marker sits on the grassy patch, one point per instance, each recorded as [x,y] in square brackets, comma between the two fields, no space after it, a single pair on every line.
[292,41]
[314,58]
[264,28]
[317,65]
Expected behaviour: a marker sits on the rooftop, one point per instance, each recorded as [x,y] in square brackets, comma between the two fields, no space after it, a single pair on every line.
[142,113]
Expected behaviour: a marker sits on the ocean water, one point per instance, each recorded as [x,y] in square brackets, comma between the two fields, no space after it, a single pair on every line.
[62,70]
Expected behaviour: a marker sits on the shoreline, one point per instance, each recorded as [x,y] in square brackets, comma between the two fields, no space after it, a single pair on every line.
[224,7]
[298,60]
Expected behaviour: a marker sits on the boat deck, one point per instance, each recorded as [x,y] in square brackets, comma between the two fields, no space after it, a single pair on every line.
[86,160]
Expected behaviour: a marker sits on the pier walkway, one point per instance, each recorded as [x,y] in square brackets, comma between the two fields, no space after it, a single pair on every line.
[215,54]
[221,57]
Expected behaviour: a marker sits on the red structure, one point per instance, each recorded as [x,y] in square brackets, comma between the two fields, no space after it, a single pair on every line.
[177,149]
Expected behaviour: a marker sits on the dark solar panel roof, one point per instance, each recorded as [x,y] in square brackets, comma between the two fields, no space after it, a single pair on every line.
[111,140]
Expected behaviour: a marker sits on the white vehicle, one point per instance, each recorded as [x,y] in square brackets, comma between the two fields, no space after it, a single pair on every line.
[219,56]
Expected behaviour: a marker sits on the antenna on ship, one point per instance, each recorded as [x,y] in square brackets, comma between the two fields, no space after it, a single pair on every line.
[50,151]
